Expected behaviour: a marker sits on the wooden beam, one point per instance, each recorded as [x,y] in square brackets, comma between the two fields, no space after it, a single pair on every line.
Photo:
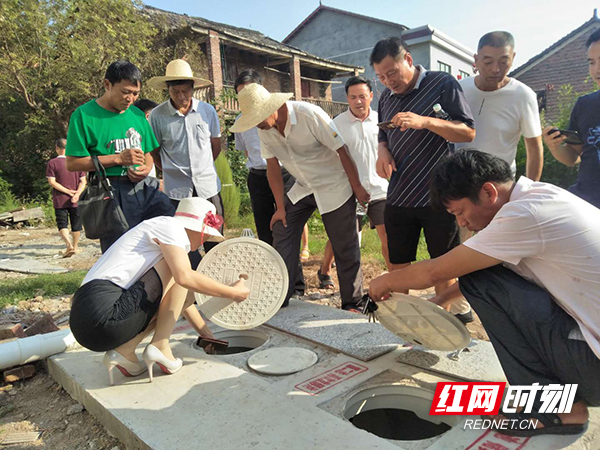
[279,61]
[28,214]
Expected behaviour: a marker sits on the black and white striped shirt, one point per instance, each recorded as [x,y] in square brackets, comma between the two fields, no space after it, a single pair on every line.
[416,152]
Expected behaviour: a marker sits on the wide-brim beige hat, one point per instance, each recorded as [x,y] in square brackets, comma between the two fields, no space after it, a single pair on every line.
[177,69]
[198,214]
[256,104]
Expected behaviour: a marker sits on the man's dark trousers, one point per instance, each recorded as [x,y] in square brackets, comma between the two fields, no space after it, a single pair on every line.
[340,226]
[535,339]
[139,201]
[263,208]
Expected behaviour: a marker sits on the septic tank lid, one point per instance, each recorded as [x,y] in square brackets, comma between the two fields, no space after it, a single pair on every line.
[282,360]
[421,322]
[267,281]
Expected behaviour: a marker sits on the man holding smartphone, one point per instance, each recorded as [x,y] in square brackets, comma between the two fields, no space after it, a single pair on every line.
[408,153]
[585,120]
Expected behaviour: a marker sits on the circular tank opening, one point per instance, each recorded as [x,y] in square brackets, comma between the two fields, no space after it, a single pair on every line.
[240,341]
[396,412]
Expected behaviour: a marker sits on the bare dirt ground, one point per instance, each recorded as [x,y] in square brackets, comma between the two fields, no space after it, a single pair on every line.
[39,403]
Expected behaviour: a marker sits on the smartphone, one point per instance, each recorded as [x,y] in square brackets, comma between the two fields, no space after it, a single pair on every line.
[387,125]
[573,137]
[217,345]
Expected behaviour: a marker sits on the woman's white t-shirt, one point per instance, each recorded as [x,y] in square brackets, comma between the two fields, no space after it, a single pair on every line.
[136,252]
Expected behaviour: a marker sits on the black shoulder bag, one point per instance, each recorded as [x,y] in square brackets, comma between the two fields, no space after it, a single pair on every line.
[101,214]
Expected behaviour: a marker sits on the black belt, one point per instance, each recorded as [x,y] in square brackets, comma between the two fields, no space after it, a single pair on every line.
[119,178]
[262,172]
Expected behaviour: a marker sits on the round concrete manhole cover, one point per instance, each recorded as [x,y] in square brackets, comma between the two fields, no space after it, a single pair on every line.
[421,322]
[282,360]
[267,281]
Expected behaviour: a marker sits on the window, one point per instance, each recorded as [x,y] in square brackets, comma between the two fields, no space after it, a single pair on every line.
[229,66]
[229,70]
[462,75]
[443,67]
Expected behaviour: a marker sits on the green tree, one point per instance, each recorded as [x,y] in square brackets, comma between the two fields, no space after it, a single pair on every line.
[53,57]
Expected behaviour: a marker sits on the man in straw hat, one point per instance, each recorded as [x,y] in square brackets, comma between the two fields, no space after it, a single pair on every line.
[119,135]
[306,141]
[189,136]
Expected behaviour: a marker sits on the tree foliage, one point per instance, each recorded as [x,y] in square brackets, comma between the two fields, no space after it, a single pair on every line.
[53,56]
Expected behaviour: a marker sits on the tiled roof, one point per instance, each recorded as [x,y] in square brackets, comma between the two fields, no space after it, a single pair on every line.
[339,11]
[252,36]
[554,47]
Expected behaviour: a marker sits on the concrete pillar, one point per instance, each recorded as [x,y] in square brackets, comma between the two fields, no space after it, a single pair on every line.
[296,81]
[213,50]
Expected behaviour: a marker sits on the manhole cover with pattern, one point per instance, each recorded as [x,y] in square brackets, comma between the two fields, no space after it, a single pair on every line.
[267,280]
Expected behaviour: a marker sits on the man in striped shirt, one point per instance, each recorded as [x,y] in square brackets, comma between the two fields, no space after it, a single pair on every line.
[411,146]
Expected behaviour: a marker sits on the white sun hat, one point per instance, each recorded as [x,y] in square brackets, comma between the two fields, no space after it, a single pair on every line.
[256,104]
[198,214]
[177,69]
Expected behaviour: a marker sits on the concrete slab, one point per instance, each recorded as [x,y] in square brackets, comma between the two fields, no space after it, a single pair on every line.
[477,363]
[208,404]
[218,402]
[343,331]
[29,265]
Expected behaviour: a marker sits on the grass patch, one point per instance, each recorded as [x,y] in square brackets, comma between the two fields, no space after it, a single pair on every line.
[370,249]
[13,291]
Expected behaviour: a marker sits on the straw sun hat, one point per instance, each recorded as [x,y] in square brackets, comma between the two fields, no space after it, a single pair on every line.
[198,214]
[256,104]
[177,69]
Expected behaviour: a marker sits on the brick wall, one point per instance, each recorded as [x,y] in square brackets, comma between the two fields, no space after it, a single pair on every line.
[566,66]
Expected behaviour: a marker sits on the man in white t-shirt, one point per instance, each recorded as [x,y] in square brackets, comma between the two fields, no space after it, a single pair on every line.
[358,127]
[503,108]
[532,274]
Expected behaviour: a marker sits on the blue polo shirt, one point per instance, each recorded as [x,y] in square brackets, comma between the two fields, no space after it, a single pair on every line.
[417,152]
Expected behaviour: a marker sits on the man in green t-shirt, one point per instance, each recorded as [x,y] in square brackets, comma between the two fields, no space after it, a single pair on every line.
[119,134]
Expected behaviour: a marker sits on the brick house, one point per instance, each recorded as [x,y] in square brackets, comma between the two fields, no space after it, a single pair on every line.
[563,63]
[230,50]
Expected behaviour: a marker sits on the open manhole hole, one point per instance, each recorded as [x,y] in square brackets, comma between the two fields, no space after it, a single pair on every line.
[396,412]
[240,341]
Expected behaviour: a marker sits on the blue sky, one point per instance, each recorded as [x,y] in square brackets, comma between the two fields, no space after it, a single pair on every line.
[535,24]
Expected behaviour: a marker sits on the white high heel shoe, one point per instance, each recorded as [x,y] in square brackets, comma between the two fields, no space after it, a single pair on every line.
[154,355]
[113,359]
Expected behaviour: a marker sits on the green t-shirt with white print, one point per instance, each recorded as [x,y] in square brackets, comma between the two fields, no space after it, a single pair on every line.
[94,130]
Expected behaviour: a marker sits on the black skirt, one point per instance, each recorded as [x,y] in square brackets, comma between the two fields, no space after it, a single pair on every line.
[105,316]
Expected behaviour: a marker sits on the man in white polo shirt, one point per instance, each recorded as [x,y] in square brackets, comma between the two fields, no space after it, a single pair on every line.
[504,109]
[532,274]
[358,127]
[309,146]
[261,197]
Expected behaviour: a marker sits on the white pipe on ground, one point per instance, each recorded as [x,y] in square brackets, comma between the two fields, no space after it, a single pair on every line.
[26,350]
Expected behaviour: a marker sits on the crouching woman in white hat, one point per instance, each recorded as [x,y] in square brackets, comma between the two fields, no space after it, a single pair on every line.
[143,283]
